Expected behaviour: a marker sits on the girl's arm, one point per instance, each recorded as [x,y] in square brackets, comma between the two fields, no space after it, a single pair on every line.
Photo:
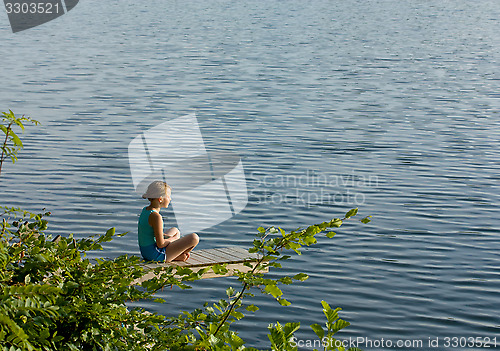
[156,222]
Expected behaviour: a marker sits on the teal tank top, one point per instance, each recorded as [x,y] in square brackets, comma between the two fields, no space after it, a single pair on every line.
[145,231]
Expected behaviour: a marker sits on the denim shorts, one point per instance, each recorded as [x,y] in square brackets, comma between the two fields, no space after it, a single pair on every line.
[153,253]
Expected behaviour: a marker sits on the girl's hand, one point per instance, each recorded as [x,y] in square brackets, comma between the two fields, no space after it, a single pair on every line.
[172,234]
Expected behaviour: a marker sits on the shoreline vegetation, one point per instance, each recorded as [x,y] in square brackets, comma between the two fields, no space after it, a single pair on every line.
[53,298]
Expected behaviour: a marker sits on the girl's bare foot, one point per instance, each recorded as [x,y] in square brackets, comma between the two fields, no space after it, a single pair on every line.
[182,257]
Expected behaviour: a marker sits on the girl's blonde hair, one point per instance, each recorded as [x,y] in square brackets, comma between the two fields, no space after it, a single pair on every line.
[156,190]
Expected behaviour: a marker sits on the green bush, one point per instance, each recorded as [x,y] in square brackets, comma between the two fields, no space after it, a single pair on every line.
[53,298]
[12,143]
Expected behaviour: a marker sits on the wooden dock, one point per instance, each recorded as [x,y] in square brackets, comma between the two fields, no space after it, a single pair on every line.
[233,257]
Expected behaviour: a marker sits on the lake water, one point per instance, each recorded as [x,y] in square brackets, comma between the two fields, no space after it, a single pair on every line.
[389,106]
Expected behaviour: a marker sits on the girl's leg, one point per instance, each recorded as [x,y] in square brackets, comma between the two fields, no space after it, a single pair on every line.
[179,249]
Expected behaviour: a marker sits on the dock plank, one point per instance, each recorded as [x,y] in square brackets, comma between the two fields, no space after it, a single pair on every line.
[238,256]
[226,256]
[211,255]
[233,254]
[205,260]
[198,260]
[241,255]
[243,252]
[234,257]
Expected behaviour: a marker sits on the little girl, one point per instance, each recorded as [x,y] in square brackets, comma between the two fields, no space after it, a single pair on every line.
[155,245]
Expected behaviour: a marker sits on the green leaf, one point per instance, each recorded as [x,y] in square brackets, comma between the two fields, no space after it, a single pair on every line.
[325,305]
[284,302]
[236,342]
[18,122]
[312,230]
[183,270]
[252,308]
[331,315]
[273,290]
[15,139]
[276,336]
[351,213]
[291,328]
[275,264]
[339,325]
[336,222]
[237,314]
[309,240]
[294,247]
[219,269]
[330,234]
[366,220]
[318,330]
[110,233]
[300,277]
[285,280]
